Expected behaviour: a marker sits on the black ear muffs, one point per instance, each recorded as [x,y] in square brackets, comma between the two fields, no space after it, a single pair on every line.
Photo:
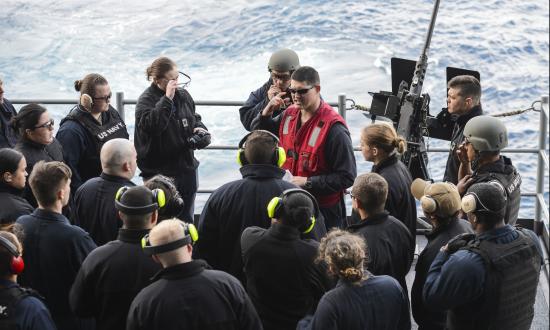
[276,205]
[191,235]
[279,154]
[16,263]
[158,201]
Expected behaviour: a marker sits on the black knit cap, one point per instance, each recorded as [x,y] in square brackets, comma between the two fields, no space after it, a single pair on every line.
[491,195]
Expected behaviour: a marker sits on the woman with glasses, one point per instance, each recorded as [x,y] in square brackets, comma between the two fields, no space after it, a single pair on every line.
[87,127]
[168,130]
[12,182]
[36,140]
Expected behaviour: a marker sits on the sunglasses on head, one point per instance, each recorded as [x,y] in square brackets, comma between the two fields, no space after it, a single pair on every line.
[300,91]
[47,125]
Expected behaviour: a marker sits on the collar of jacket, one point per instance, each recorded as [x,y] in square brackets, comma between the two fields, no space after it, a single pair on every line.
[391,160]
[284,232]
[32,144]
[261,171]
[495,167]
[441,228]
[10,190]
[132,236]
[374,219]
[181,271]
[50,216]
[494,234]
[476,111]
[115,178]
[6,284]
[366,274]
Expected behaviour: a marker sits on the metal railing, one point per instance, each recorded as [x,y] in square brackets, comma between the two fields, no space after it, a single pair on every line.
[541,209]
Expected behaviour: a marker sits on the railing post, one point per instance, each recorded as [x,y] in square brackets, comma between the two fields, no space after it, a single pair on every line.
[541,170]
[342,105]
[120,105]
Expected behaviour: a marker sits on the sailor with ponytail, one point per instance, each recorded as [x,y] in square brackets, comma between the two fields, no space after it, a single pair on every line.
[381,145]
[360,300]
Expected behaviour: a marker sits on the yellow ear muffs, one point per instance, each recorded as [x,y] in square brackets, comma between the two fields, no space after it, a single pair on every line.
[273,206]
[281,156]
[310,228]
[159,197]
[144,241]
[241,160]
[120,192]
[192,230]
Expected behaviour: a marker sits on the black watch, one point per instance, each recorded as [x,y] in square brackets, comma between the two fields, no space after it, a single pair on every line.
[308,184]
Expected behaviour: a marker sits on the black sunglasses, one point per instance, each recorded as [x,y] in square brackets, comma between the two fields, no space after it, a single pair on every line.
[104,98]
[300,91]
[47,125]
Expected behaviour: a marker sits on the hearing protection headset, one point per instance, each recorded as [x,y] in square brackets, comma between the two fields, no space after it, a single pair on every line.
[275,208]
[16,263]
[158,200]
[86,99]
[191,235]
[472,203]
[279,154]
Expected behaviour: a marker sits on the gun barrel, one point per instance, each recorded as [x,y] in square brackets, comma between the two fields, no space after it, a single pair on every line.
[431,29]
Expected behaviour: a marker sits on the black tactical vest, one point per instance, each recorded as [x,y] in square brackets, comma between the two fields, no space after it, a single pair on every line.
[9,298]
[511,286]
[112,127]
[511,183]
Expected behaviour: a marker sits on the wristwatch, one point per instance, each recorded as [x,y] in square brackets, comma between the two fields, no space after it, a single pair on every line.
[308,184]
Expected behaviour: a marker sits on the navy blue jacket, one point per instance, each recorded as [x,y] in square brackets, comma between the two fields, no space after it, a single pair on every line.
[8,136]
[390,246]
[30,312]
[458,279]
[232,208]
[81,148]
[256,102]
[282,278]
[12,204]
[94,207]
[376,303]
[110,278]
[53,252]
[424,317]
[187,296]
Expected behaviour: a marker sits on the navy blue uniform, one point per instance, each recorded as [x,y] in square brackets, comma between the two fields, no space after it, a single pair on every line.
[8,136]
[53,251]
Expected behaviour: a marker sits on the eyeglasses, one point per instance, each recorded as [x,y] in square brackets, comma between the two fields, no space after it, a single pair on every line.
[104,98]
[281,77]
[300,91]
[186,78]
[351,195]
[48,125]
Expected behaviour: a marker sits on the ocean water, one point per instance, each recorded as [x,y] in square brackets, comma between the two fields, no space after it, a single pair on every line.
[225,45]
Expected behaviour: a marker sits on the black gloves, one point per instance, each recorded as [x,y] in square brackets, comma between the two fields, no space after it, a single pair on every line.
[199,140]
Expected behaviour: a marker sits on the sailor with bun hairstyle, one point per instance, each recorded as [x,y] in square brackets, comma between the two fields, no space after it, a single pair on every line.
[441,205]
[360,300]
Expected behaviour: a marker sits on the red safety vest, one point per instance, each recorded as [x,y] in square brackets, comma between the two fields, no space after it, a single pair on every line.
[304,147]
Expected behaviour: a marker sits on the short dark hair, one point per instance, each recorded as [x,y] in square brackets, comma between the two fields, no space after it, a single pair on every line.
[174,202]
[468,86]
[9,161]
[297,210]
[371,190]
[307,75]
[46,179]
[137,196]
[260,148]
[27,118]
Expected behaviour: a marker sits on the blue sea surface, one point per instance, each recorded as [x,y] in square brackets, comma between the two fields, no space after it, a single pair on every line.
[225,45]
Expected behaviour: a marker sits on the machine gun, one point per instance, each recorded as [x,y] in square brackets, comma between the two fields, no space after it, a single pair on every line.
[408,109]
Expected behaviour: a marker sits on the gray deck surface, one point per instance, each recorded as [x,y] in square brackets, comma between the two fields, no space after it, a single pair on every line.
[540,322]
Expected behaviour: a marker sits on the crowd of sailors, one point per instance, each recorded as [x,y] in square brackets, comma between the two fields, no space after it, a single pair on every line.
[83,247]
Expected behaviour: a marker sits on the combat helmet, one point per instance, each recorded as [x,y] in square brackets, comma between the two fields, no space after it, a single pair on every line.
[486,133]
[284,60]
